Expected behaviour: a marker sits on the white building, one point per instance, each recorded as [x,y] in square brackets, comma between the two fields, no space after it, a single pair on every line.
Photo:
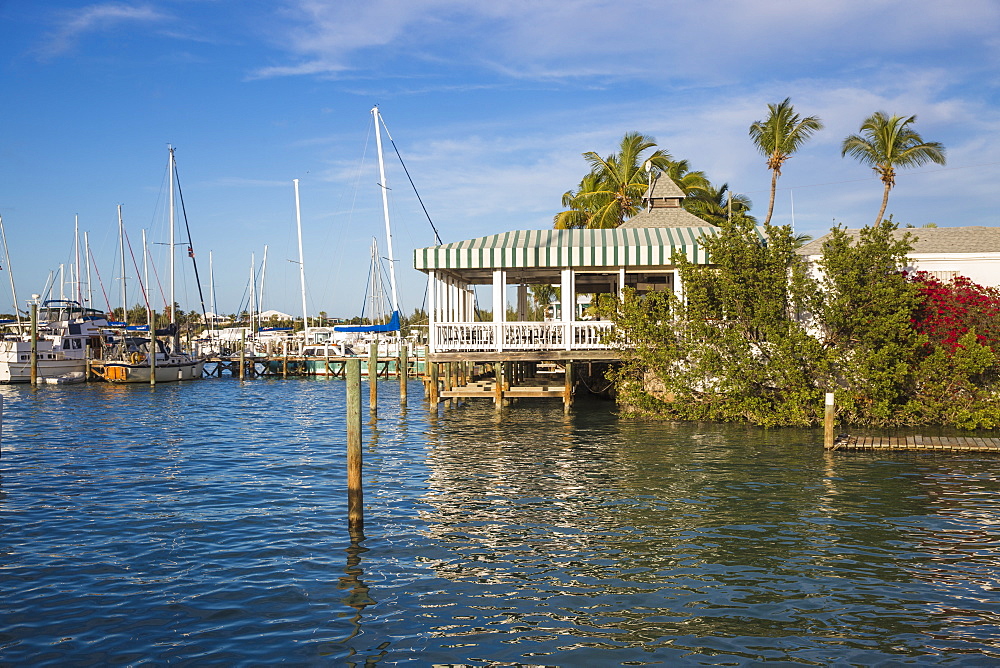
[943,252]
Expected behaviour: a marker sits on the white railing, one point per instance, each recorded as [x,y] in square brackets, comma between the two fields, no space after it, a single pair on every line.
[499,337]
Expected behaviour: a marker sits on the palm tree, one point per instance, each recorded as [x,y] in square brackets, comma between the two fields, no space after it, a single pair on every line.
[712,204]
[886,143]
[680,173]
[778,137]
[579,210]
[800,240]
[612,192]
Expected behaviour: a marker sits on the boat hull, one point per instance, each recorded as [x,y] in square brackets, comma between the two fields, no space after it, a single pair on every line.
[20,372]
[122,372]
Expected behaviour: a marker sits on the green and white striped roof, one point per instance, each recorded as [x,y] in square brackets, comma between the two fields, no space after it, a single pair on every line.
[538,249]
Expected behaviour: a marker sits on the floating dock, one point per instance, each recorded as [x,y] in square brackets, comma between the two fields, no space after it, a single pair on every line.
[917,443]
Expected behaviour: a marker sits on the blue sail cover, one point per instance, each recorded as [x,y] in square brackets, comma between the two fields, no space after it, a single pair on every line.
[391,326]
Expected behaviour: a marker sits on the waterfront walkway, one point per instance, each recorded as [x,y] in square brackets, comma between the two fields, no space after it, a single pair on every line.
[917,443]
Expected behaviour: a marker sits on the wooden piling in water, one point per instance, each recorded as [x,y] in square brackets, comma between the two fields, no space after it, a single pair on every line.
[152,348]
[828,416]
[355,495]
[568,388]
[243,353]
[432,386]
[34,344]
[499,374]
[403,368]
[373,378]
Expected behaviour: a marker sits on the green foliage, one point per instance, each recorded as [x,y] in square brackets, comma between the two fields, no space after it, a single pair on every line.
[732,349]
[715,204]
[780,135]
[612,192]
[760,338]
[886,142]
[865,320]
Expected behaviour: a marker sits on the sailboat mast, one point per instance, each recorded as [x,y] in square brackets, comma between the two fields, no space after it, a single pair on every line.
[145,271]
[148,292]
[86,256]
[170,168]
[253,288]
[76,252]
[385,207]
[121,244]
[10,271]
[211,288]
[263,283]
[302,264]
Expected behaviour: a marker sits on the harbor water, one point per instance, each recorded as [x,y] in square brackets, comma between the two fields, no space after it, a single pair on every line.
[205,523]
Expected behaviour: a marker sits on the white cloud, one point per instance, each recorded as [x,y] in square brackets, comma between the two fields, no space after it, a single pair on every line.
[647,39]
[94,18]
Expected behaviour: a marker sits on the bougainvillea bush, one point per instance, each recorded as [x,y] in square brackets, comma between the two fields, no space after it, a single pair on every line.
[949,310]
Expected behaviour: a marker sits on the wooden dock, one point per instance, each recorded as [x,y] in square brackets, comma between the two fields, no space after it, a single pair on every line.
[501,381]
[916,443]
[288,365]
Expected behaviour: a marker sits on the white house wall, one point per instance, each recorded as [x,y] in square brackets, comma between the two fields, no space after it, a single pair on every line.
[983,269]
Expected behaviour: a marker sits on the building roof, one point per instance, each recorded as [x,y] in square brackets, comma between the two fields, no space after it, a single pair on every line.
[665,217]
[556,249]
[973,240]
[663,187]
[664,207]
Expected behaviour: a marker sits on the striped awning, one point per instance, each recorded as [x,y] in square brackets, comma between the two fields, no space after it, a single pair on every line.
[536,249]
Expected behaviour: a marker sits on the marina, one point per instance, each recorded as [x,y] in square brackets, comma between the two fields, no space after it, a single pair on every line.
[206,523]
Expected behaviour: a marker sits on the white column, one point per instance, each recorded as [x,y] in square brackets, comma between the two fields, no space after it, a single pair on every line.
[499,306]
[499,302]
[431,307]
[678,288]
[567,298]
[621,282]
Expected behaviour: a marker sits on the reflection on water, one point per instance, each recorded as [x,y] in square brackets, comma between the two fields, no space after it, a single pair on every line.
[206,523]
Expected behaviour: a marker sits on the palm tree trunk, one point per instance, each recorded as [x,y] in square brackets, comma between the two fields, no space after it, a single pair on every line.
[770,205]
[885,201]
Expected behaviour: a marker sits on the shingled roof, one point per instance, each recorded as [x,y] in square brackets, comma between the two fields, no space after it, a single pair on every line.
[932,240]
[664,208]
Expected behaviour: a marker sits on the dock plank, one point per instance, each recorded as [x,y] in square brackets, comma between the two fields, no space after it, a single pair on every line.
[917,443]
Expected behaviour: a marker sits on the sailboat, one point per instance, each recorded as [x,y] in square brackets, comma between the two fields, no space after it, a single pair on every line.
[65,334]
[393,324]
[132,357]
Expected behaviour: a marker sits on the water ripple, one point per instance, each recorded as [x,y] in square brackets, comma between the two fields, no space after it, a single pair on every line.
[205,523]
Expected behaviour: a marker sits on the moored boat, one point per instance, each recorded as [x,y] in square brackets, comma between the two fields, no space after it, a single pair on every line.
[128,359]
[67,335]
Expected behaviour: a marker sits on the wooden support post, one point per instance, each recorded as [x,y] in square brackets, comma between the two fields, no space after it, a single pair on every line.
[403,368]
[498,374]
[152,348]
[284,360]
[449,377]
[373,378]
[243,353]
[432,386]
[355,496]
[568,388]
[34,344]
[828,421]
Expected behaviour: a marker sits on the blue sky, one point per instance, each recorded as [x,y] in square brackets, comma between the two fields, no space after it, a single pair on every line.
[490,104]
